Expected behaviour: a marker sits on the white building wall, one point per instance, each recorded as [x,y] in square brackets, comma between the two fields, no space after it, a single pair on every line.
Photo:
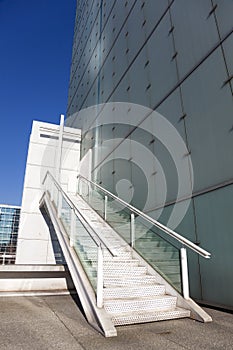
[34,240]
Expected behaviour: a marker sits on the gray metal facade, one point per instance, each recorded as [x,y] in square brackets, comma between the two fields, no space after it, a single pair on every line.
[174,57]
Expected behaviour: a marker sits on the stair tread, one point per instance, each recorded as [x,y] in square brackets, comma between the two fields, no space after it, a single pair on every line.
[140,299]
[147,277]
[136,287]
[149,316]
[132,281]
[121,262]
[122,292]
[147,304]
[127,269]
[151,312]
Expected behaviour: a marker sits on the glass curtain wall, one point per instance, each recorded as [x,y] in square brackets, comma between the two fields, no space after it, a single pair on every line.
[9,226]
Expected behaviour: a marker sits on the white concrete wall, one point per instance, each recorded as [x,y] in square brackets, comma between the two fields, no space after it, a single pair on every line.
[34,241]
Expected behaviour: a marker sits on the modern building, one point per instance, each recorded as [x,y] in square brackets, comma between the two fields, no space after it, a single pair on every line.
[9,226]
[140,170]
[135,65]
[46,152]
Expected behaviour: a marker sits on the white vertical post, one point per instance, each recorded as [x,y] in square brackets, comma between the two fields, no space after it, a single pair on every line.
[132,230]
[78,187]
[59,149]
[46,183]
[100,278]
[49,185]
[59,206]
[105,207]
[184,270]
[72,227]
[52,191]
[89,192]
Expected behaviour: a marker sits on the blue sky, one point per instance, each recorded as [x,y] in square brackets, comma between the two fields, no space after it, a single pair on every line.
[35,57]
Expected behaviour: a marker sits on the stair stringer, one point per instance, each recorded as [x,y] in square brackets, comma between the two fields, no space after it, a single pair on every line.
[97,317]
[197,313]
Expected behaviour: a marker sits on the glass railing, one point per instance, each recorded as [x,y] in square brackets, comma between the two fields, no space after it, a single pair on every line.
[161,247]
[81,236]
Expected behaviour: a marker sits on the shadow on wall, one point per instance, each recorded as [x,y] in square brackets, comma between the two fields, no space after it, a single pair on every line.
[60,259]
[58,254]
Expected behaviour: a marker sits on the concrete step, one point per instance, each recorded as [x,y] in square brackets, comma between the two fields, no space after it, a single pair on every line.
[142,317]
[157,303]
[134,292]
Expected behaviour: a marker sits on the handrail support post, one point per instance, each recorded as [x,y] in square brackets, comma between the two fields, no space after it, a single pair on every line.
[100,278]
[105,207]
[72,227]
[89,192]
[184,272]
[132,229]
[59,206]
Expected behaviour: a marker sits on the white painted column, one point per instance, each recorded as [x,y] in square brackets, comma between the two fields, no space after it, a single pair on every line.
[59,149]
[132,230]
[100,278]
[184,269]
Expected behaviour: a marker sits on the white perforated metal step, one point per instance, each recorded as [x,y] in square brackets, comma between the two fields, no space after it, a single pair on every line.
[124,255]
[142,317]
[157,303]
[134,292]
[128,270]
[132,281]
[120,264]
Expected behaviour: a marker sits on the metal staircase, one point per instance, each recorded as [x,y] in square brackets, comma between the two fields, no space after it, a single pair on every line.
[130,294]
[134,271]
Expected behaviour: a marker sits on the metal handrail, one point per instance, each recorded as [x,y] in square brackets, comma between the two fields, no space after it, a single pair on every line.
[99,243]
[164,228]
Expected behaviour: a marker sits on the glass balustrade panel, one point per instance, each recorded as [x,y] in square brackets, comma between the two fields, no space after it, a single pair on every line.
[66,215]
[158,251]
[87,251]
[118,217]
